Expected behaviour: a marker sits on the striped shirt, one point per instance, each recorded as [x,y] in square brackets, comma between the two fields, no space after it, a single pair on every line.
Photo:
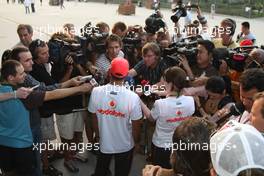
[103,63]
[149,74]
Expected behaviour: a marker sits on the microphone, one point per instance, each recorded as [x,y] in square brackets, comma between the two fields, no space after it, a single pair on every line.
[236,109]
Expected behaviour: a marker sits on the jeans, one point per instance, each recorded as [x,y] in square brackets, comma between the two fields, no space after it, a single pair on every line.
[36,133]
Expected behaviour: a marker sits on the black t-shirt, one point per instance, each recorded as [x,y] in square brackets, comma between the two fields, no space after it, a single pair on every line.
[209,71]
[227,99]
[40,73]
[61,106]
[66,105]
[148,74]
[34,100]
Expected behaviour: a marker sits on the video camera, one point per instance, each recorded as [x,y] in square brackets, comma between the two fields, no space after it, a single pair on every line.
[60,47]
[154,22]
[132,40]
[91,41]
[95,40]
[180,10]
[132,44]
[235,58]
[187,47]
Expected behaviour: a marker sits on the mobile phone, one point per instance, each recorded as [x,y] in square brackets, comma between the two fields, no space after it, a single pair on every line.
[85,78]
[36,86]
[93,82]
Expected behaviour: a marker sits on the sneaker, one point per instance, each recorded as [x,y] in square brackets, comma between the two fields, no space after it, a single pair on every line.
[52,171]
[71,166]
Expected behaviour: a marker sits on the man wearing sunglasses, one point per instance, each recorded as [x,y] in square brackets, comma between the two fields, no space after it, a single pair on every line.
[70,125]
[255,59]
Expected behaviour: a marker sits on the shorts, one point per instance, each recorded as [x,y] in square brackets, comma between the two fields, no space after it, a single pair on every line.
[70,123]
[48,129]
[18,160]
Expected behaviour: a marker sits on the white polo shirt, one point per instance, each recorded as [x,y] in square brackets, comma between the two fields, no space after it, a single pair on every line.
[116,107]
[169,113]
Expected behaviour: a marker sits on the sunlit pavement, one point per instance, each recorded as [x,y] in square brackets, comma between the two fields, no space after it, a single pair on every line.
[49,19]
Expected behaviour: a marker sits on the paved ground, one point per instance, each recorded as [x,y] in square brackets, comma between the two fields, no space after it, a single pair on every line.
[48,18]
[86,169]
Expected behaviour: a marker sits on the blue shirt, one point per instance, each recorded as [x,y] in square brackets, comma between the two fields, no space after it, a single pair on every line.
[14,122]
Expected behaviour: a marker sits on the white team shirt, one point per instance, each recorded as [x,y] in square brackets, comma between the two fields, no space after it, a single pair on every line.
[169,113]
[116,107]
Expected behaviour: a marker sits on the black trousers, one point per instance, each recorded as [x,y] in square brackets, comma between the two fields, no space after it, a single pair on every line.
[161,156]
[123,163]
[17,160]
[33,7]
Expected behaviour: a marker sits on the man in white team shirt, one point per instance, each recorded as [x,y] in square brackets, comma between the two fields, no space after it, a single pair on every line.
[116,116]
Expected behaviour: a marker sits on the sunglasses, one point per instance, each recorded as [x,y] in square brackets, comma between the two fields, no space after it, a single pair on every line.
[39,43]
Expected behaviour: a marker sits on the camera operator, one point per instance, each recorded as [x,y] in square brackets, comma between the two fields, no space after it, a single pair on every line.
[25,33]
[40,52]
[163,39]
[237,61]
[69,29]
[227,30]
[143,37]
[132,44]
[152,66]
[113,46]
[155,23]
[70,123]
[103,27]
[191,28]
[119,29]
[203,68]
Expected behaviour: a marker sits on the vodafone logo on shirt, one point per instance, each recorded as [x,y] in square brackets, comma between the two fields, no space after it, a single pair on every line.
[112,104]
[178,118]
[111,111]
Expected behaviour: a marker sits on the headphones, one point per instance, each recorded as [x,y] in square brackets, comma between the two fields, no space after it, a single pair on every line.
[232,25]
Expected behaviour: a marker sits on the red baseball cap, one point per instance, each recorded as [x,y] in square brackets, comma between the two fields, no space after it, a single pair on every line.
[246,43]
[119,67]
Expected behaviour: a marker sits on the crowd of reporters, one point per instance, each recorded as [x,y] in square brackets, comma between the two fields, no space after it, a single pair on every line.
[190,73]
